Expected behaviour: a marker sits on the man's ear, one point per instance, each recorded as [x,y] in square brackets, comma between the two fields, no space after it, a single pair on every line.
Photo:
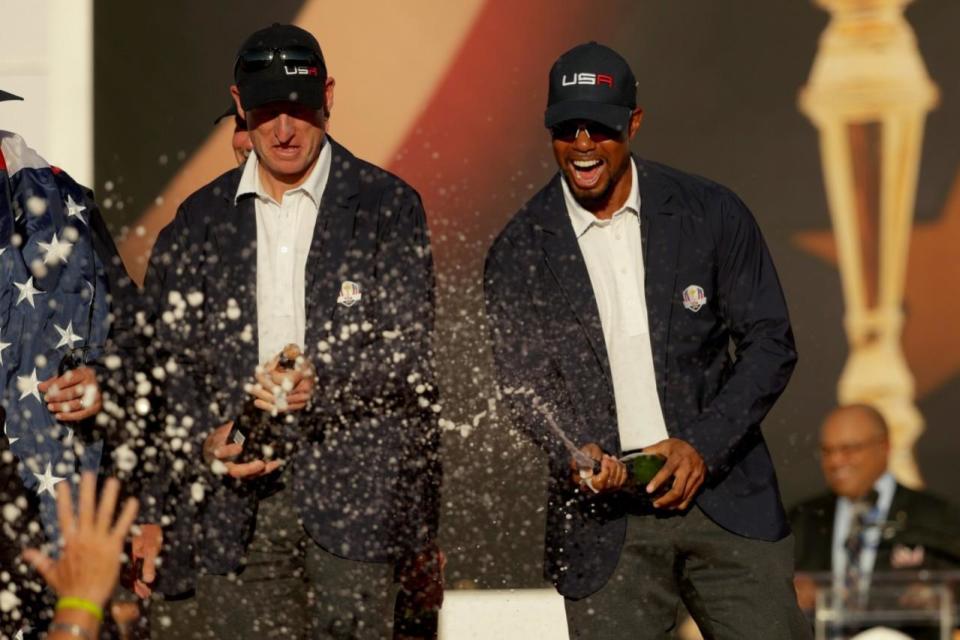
[235,94]
[636,119]
[328,97]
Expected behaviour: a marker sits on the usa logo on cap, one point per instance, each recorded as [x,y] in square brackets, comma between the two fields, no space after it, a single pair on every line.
[694,298]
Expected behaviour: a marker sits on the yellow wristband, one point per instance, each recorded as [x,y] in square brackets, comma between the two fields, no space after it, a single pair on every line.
[80,604]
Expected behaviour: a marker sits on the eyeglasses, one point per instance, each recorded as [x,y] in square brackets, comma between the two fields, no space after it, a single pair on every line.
[260,59]
[847,449]
[569,131]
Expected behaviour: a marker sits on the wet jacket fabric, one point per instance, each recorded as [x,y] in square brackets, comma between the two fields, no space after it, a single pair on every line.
[365,468]
[709,282]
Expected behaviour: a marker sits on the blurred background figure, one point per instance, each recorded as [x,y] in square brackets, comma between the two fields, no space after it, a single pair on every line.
[241,139]
[867,524]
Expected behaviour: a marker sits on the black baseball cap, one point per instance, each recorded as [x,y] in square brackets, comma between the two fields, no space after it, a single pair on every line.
[4,96]
[282,63]
[591,82]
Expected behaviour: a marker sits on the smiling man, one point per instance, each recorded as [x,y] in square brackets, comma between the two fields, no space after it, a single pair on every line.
[868,524]
[311,479]
[613,298]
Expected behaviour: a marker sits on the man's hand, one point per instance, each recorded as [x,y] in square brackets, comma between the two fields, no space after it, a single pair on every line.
[73,396]
[806,590]
[89,563]
[612,476]
[687,468]
[215,448]
[279,390]
[146,547]
[423,577]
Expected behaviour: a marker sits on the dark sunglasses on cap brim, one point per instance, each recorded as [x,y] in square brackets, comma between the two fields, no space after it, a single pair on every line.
[260,59]
[569,130]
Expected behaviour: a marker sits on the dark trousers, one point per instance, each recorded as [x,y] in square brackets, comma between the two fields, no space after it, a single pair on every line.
[290,588]
[734,587]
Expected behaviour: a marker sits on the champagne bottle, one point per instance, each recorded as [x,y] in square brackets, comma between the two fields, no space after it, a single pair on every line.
[261,434]
[641,469]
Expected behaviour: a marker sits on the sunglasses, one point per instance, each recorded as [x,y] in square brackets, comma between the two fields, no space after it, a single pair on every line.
[260,59]
[570,130]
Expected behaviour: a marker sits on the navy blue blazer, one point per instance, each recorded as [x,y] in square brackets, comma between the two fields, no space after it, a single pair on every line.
[549,348]
[366,470]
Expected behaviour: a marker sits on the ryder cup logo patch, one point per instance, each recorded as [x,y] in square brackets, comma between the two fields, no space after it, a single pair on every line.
[349,294]
[694,298]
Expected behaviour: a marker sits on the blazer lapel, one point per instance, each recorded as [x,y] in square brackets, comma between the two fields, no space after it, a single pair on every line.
[660,237]
[331,237]
[236,238]
[565,261]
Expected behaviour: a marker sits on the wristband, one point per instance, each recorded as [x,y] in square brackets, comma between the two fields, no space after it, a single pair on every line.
[80,604]
[74,630]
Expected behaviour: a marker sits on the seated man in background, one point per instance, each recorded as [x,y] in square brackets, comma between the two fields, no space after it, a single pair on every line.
[867,523]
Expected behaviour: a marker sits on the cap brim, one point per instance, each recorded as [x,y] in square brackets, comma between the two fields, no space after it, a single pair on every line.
[311,94]
[8,96]
[610,115]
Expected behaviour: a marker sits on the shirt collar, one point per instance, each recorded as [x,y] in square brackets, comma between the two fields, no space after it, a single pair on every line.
[583,219]
[313,186]
[885,486]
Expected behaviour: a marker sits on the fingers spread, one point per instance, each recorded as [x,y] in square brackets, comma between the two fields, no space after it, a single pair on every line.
[125,521]
[88,500]
[65,509]
[44,565]
[108,503]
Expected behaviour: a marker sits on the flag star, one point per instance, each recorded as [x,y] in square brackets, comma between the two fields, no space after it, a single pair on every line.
[3,345]
[55,250]
[29,385]
[27,291]
[74,209]
[67,336]
[19,635]
[2,250]
[47,481]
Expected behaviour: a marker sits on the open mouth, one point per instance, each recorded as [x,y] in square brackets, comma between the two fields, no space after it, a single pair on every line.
[286,152]
[586,173]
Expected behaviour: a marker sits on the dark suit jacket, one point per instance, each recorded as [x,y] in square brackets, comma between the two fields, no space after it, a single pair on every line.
[365,474]
[548,339]
[916,519]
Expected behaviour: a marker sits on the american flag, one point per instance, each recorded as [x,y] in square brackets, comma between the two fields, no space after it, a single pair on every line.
[53,305]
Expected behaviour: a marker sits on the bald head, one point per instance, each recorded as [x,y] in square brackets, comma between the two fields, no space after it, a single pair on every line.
[854,448]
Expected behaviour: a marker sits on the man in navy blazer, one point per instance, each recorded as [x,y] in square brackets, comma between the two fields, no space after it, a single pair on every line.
[613,297]
[309,245]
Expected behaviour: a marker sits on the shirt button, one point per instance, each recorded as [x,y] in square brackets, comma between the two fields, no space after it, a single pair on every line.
[283,249]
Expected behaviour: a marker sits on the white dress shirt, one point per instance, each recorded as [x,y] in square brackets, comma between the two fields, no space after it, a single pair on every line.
[284,235]
[885,486]
[612,250]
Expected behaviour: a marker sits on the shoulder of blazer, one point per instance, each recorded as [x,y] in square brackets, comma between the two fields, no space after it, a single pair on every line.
[920,505]
[350,176]
[204,205]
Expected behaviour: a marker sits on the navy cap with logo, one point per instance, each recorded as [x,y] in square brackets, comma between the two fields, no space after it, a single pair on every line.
[4,96]
[281,63]
[591,82]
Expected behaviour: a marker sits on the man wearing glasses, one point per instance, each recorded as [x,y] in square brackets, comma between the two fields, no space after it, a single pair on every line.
[295,296]
[867,523]
[613,297]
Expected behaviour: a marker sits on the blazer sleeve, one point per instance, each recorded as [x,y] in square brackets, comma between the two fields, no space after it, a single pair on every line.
[755,312]
[529,381]
[181,419]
